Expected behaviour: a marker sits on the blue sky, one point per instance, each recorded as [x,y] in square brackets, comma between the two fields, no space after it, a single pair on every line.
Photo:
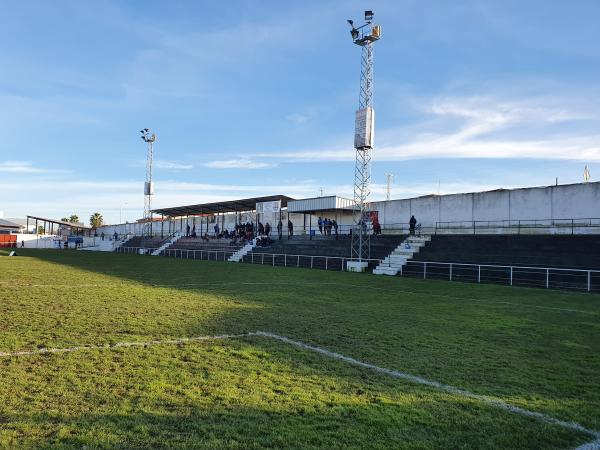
[252,98]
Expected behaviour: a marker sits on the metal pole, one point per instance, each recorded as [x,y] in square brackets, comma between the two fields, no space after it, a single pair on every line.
[511,275]
[479,274]
[450,271]
[547,278]
[589,281]
[424,271]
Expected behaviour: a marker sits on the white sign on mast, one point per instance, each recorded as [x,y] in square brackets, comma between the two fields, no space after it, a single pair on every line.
[364,126]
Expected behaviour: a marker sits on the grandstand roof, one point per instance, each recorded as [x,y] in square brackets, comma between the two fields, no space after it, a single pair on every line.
[246,204]
[8,224]
[60,222]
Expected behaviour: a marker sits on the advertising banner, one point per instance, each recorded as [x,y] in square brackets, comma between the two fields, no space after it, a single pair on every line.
[364,126]
[268,207]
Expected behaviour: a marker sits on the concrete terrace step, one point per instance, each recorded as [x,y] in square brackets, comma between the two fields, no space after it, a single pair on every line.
[391,271]
[394,262]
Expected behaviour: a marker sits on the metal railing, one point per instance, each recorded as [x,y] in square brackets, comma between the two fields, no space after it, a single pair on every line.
[570,226]
[306,261]
[544,277]
[206,255]
[527,276]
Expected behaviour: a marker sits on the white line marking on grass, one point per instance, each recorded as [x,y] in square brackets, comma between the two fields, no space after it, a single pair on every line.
[79,348]
[595,445]
[435,384]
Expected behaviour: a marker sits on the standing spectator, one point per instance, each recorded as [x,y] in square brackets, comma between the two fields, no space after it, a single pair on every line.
[194,231]
[280,229]
[216,229]
[412,224]
[187,230]
[23,243]
[290,229]
[320,225]
[335,228]
[261,229]
[267,229]
[116,236]
[102,235]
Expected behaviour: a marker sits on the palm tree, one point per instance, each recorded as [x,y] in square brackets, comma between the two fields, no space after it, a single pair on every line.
[64,219]
[96,220]
[74,218]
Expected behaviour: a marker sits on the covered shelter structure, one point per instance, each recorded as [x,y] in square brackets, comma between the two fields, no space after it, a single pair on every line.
[52,225]
[6,226]
[214,210]
[340,209]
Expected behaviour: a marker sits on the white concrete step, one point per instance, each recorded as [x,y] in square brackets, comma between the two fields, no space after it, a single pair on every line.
[394,262]
[239,255]
[391,271]
[406,251]
[167,244]
[395,258]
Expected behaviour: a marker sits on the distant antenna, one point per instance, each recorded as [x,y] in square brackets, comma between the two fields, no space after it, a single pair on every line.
[148,137]
[586,175]
[388,186]
[320,192]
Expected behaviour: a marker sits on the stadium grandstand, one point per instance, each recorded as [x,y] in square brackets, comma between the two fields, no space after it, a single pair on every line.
[540,236]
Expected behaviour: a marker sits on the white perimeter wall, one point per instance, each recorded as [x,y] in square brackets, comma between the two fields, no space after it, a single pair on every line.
[575,201]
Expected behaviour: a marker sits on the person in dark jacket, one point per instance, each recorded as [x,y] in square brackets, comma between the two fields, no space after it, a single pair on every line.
[290,229]
[412,224]
[280,229]
[267,229]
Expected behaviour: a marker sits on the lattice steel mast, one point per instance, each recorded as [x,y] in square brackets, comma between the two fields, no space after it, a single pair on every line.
[148,137]
[364,36]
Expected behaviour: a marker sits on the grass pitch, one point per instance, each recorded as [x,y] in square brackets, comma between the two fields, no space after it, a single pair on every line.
[532,348]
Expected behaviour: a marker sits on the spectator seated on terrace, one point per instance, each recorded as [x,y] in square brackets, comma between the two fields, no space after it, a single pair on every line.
[263,241]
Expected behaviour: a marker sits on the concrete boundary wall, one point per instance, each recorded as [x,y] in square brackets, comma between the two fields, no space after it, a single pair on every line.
[573,201]
[501,208]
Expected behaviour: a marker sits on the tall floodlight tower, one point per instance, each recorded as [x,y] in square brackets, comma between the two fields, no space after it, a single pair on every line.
[148,137]
[364,126]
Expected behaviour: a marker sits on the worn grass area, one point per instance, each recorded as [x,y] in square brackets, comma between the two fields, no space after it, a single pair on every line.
[532,348]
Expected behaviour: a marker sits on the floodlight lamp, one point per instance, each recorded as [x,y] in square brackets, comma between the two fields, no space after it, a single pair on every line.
[146,130]
[142,131]
[354,33]
[369,16]
[351,22]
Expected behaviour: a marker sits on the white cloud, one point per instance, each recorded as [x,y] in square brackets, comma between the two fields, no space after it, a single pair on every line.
[486,126]
[241,163]
[171,165]
[20,167]
[297,118]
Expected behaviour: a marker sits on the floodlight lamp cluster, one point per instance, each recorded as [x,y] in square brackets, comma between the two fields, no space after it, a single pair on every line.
[147,135]
[360,37]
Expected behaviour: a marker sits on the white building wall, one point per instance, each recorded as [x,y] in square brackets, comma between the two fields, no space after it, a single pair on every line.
[538,203]
[455,208]
[574,201]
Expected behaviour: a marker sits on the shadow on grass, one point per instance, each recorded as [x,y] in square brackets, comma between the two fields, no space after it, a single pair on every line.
[487,352]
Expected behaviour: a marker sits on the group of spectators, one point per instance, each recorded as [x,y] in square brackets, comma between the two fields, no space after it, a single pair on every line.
[326,225]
